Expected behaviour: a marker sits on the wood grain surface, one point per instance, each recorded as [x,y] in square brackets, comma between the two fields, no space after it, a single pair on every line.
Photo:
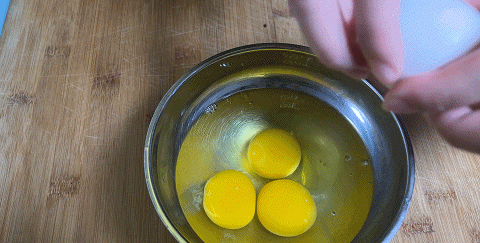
[79,82]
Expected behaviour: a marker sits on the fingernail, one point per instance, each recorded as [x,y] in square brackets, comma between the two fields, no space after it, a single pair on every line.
[384,73]
[398,106]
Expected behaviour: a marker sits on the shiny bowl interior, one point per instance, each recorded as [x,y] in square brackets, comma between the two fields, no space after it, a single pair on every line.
[290,68]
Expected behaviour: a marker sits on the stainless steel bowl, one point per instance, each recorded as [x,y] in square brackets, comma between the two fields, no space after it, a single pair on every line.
[286,67]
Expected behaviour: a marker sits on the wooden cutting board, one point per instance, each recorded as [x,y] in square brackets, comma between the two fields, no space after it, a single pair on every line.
[79,82]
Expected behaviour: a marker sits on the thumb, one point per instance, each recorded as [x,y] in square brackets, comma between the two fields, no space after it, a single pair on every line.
[452,86]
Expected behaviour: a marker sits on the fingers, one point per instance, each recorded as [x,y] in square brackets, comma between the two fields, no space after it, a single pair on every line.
[474,3]
[378,27]
[453,86]
[460,127]
[451,95]
[323,25]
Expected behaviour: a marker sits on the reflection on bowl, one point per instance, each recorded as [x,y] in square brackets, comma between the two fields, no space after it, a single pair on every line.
[357,161]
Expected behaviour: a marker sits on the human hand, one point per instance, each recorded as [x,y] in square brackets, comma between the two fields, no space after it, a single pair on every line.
[357,37]
[362,38]
[448,96]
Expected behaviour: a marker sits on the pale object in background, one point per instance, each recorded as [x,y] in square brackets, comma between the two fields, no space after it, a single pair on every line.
[436,32]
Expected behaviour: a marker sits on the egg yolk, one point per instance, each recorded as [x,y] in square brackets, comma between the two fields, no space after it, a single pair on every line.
[286,208]
[229,199]
[274,153]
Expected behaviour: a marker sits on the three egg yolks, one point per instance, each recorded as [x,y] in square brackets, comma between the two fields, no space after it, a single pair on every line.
[284,207]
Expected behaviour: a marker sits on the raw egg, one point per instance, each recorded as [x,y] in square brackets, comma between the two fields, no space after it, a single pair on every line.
[274,153]
[286,208]
[229,199]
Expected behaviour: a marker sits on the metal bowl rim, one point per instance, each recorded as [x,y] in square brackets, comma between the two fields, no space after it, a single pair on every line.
[148,167]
